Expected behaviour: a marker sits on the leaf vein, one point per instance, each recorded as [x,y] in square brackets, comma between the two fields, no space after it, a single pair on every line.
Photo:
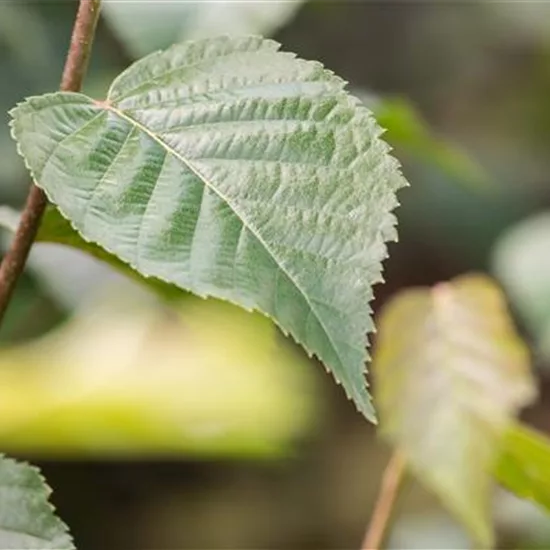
[236,211]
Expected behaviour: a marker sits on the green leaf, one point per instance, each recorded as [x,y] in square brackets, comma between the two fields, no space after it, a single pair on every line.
[411,135]
[54,228]
[27,519]
[57,229]
[524,464]
[232,170]
[451,373]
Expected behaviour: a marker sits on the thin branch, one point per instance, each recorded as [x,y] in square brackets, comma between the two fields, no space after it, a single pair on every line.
[75,68]
[80,48]
[391,480]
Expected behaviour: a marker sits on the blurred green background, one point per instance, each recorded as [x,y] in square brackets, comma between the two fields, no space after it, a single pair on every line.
[201,426]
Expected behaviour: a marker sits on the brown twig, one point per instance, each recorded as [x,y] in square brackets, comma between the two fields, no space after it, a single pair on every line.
[75,68]
[393,474]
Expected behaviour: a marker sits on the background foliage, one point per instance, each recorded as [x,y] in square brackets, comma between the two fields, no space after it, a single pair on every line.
[470,120]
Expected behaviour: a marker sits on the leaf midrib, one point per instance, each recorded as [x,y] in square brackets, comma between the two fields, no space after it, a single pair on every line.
[235,210]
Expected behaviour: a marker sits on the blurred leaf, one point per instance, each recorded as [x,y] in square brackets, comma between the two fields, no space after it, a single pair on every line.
[27,519]
[451,373]
[156,26]
[406,129]
[9,218]
[229,17]
[128,377]
[524,464]
[169,174]
[521,262]
[427,531]
[411,135]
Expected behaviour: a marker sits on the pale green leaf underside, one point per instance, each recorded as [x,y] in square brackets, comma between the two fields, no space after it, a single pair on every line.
[451,374]
[27,519]
[232,170]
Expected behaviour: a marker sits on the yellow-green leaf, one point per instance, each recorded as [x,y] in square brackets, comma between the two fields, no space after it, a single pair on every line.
[450,375]
[524,464]
[128,377]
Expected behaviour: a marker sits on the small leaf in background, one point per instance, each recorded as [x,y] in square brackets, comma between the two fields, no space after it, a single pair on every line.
[27,519]
[218,166]
[412,136]
[451,373]
[9,218]
[522,263]
[128,377]
[154,25]
[157,26]
[524,464]
[260,18]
